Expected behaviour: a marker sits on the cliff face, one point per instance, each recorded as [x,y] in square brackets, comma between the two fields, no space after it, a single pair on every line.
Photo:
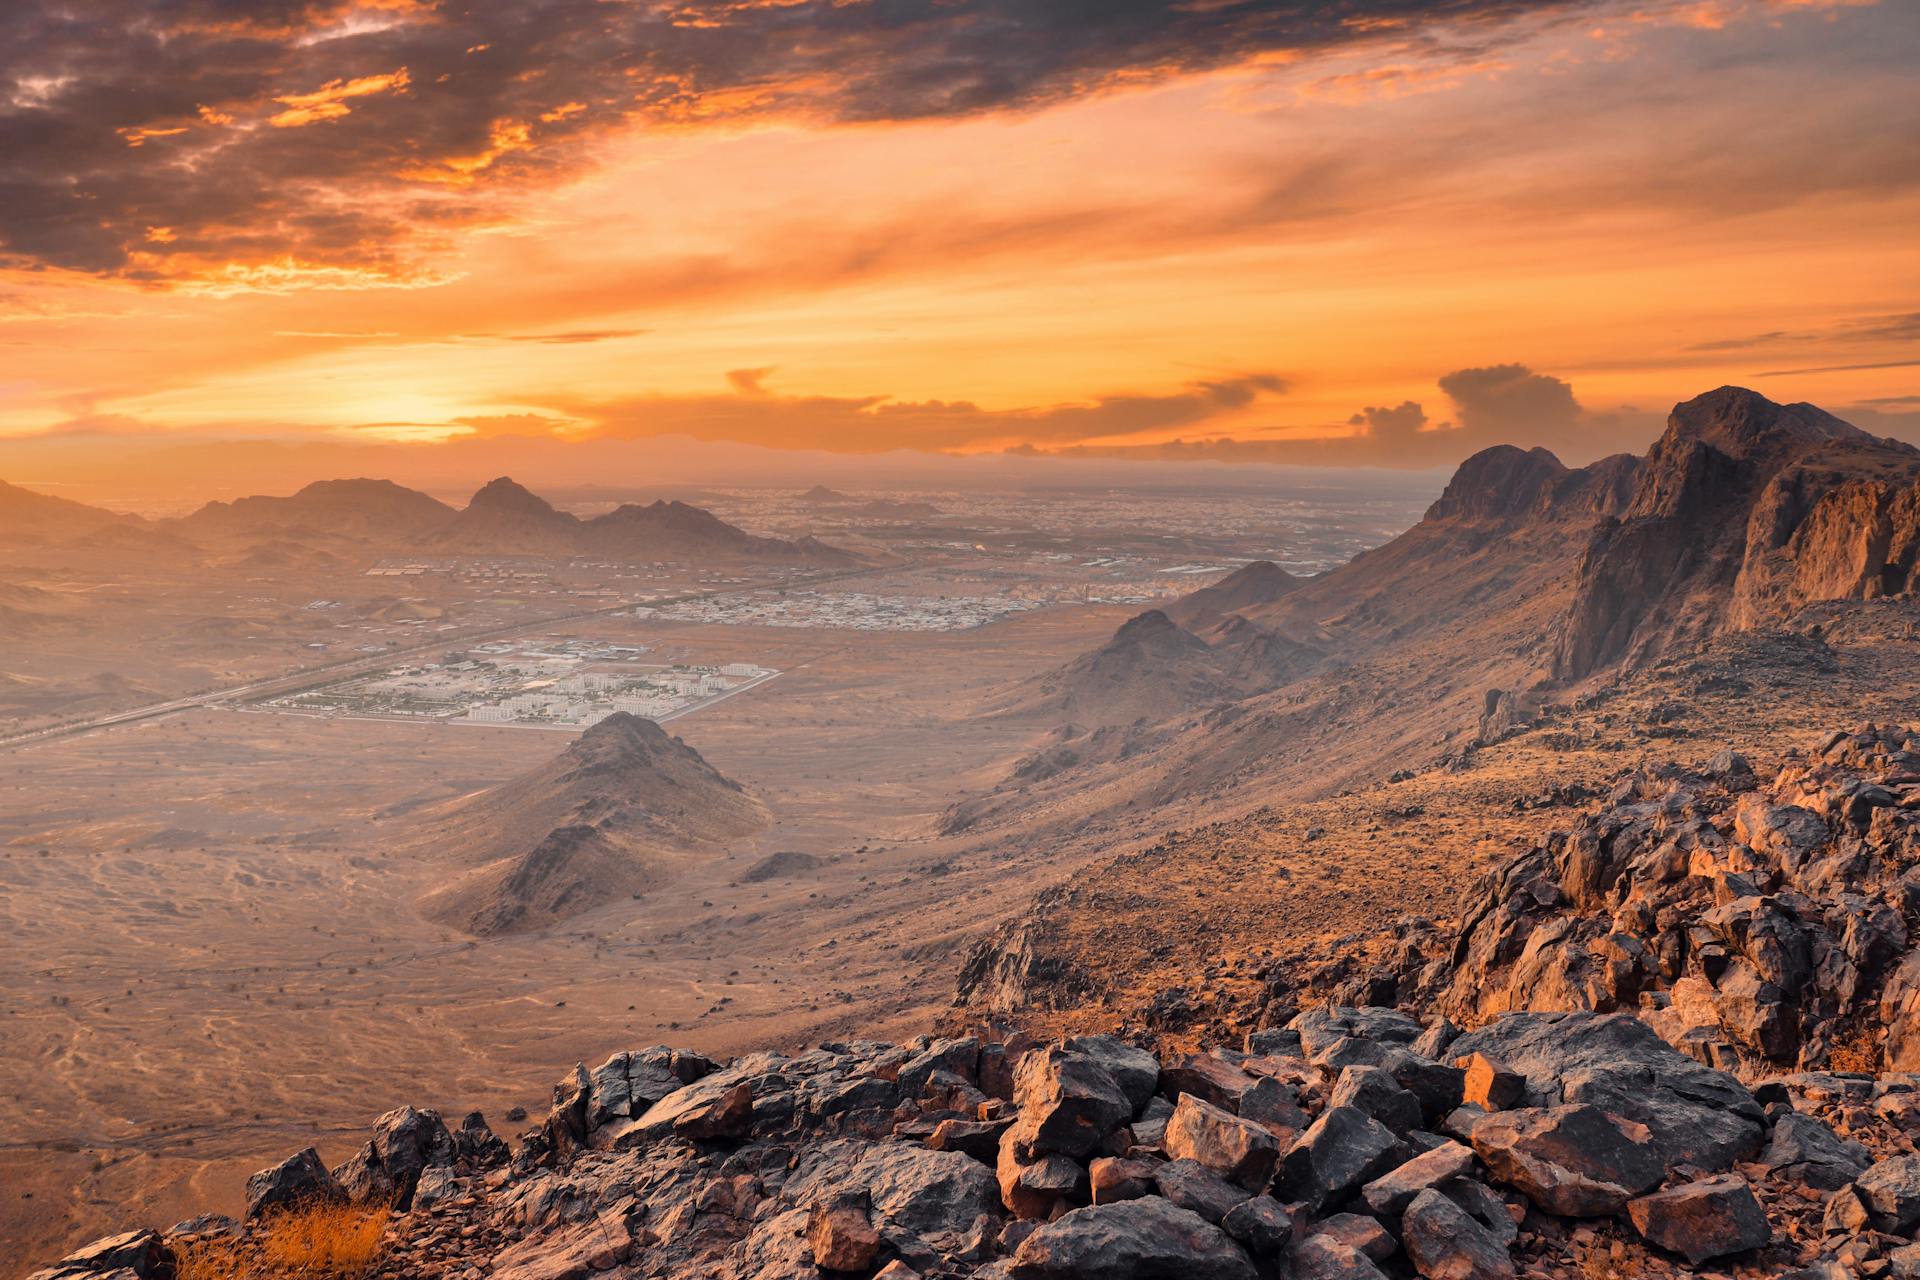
[1742,512]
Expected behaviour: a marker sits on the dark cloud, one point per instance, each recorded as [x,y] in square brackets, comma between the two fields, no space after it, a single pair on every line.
[155,139]
[1503,401]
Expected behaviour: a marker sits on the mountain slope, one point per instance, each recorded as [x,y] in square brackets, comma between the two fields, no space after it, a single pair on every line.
[377,511]
[30,516]
[613,814]
[505,519]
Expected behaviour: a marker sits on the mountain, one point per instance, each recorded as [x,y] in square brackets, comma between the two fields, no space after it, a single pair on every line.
[675,531]
[614,814]
[29,516]
[1743,511]
[373,511]
[505,519]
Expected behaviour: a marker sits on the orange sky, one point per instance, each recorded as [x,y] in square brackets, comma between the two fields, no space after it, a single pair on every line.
[1539,222]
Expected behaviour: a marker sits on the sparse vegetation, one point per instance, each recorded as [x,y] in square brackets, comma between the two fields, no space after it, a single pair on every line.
[318,1241]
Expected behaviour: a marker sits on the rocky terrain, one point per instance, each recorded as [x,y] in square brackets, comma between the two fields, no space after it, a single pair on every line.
[611,814]
[1351,1144]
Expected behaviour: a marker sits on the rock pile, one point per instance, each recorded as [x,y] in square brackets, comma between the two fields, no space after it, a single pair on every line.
[1754,925]
[1353,1144]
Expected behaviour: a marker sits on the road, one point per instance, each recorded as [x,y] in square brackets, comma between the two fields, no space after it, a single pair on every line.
[293,681]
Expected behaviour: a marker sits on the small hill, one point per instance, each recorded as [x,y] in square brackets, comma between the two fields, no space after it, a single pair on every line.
[614,814]
[1250,586]
[1150,670]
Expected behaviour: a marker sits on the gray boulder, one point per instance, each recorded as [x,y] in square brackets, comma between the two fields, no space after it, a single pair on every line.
[299,1179]
[1147,1239]
[1574,1161]
[1446,1243]
[1891,1192]
[1701,1220]
[1806,1150]
[1342,1150]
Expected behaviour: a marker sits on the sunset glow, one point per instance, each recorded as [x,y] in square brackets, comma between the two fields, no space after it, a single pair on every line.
[401,222]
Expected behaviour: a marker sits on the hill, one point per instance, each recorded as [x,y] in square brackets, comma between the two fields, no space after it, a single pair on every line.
[372,511]
[611,815]
[31,517]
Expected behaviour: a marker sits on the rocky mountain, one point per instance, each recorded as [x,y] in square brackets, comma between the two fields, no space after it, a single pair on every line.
[614,814]
[1743,511]
[503,518]
[675,531]
[1151,669]
[373,511]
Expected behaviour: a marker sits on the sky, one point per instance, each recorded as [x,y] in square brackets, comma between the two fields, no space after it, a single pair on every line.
[1364,232]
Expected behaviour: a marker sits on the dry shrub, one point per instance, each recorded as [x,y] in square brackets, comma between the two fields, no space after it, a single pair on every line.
[317,1241]
[1857,1050]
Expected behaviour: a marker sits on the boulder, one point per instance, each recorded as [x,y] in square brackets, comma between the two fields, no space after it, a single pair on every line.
[1321,1257]
[840,1238]
[1338,1153]
[727,1116]
[1389,1195]
[977,1138]
[1236,1149]
[297,1180]
[1192,1185]
[1616,1063]
[1574,1161]
[1375,1091]
[1891,1192]
[1118,1178]
[1068,1103]
[1263,1225]
[1146,1239]
[384,1171]
[1806,1150]
[1446,1243]
[1275,1107]
[1490,1086]
[1209,1077]
[1701,1220]
[1032,1188]
[1363,1233]
[1135,1070]
[928,1206]
[142,1255]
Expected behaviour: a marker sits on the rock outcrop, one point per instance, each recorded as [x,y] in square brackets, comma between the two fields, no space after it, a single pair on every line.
[1757,925]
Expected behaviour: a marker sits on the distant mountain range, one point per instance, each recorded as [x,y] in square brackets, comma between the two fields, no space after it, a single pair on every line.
[328,516]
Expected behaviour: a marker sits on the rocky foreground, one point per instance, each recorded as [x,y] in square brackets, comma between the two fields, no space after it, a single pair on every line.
[1352,1144]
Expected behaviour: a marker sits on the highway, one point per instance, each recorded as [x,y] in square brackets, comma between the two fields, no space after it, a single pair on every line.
[293,681]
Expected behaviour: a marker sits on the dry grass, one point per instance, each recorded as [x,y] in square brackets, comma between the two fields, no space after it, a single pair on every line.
[1858,1050]
[315,1242]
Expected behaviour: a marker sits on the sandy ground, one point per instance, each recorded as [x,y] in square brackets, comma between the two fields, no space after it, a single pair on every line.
[211,958]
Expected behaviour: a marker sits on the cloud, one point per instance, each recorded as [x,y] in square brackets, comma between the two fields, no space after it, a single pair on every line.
[1397,424]
[1506,399]
[754,415]
[162,139]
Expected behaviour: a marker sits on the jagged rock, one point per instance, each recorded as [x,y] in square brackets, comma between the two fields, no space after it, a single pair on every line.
[1702,1220]
[299,1179]
[1391,1193]
[1806,1150]
[927,1205]
[437,1183]
[1446,1243]
[1031,1188]
[1320,1257]
[1339,1152]
[1891,1192]
[1490,1086]
[1146,1239]
[959,1056]
[1375,1091]
[840,1238]
[977,1138]
[1193,1186]
[1275,1107]
[1068,1103]
[142,1255]
[1320,1028]
[1135,1070]
[1488,1209]
[730,1115]
[1434,1041]
[1575,1161]
[405,1141]
[476,1143]
[1236,1149]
